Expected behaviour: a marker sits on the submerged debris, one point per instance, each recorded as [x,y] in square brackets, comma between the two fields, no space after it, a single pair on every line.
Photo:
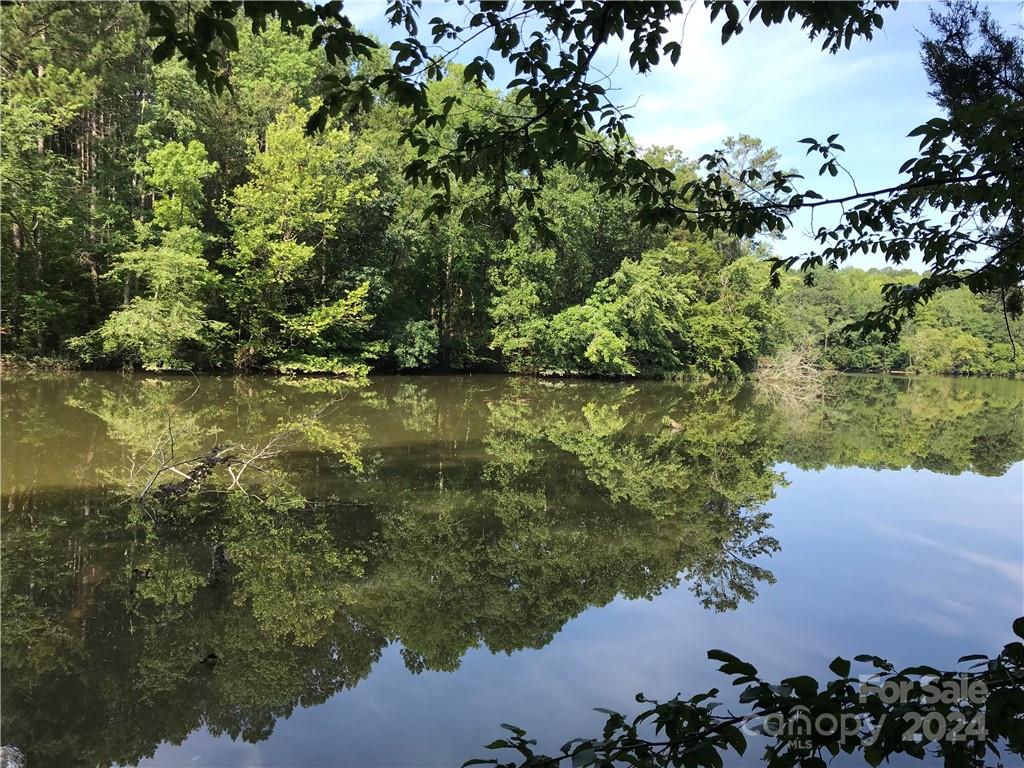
[201,467]
[12,757]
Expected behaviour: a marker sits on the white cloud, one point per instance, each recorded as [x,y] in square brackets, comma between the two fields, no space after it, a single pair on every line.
[779,86]
[363,13]
[773,83]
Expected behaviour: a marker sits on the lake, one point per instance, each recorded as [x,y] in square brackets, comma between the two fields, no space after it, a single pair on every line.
[406,564]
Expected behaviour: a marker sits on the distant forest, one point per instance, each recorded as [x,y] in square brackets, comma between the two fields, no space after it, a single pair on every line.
[149,223]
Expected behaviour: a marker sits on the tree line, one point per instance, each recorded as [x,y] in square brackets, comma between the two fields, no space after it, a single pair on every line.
[151,222]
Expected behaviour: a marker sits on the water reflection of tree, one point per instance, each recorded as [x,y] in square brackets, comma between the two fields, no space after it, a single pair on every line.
[939,424]
[133,640]
[486,517]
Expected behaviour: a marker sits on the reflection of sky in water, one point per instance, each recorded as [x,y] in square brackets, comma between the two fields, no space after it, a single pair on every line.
[913,566]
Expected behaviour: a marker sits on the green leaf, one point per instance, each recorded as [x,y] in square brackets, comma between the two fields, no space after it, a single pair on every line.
[583,757]
[164,51]
[804,685]
[840,666]
[736,740]
[732,665]
[920,670]
[718,655]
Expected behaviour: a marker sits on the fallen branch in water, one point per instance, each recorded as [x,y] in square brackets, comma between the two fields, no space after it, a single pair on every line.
[199,468]
[794,366]
[793,377]
[236,458]
[249,456]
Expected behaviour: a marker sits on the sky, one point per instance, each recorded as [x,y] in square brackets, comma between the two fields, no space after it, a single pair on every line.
[778,86]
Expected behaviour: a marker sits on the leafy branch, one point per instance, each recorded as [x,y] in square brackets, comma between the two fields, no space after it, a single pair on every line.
[963,717]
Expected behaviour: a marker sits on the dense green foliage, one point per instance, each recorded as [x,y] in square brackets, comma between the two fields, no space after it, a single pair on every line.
[956,202]
[444,514]
[149,222]
[957,332]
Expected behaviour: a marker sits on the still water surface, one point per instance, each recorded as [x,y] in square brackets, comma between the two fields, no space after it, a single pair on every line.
[422,558]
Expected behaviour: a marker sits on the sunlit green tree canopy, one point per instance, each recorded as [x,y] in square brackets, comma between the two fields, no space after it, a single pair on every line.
[255,186]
